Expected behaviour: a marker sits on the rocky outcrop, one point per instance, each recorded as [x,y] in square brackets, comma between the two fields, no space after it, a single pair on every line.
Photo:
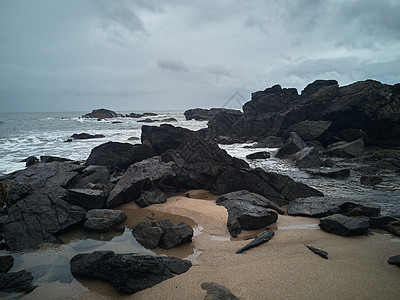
[16,282]
[121,155]
[103,220]
[128,273]
[216,291]
[86,136]
[162,233]
[345,226]
[38,219]
[259,239]
[101,113]
[201,114]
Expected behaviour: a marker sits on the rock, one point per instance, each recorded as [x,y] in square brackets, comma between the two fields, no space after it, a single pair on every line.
[351,134]
[329,163]
[147,120]
[169,120]
[150,197]
[102,220]
[259,239]
[150,114]
[162,233]
[370,179]
[333,173]
[346,150]
[117,154]
[201,114]
[317,207]
[319,252]
[133,138]
[116,122]
[6,263]
[86,198]
[381,222]
[5,200]
[16,282]
[243,215]
[345,226]
[292,145]
[259,155]
[252,198]
[90,177]
[86,136]
[23,228]
[268,142]
[222,124]
[317,145]
[138,178]
[216,291]
[31,160]
[101,114]
[394,260]
[389,163]
[49,159]
[393,227]
[308,157]
[128,273]
[308,130]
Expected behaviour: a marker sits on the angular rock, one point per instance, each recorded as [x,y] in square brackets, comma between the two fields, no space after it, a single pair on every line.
[117,154]
[271,142]
[162,233]
[169,120]
[259,155]
[308,157]
[33,221]
[101,113]
[102,220]
[333,173]
[150,197]
[6,263]
[128,273]
[16,282]
[223,123]
[86,198]
[31,160]
[138,178]
[319,252]
[394,260]
[86,136]
[91,175]
[259,239]
[346,150]
[243,215]
[381,222]
[216,291]
[390,163]
[293,144]
[345,226]
[317,207]
[308,130]
[393,227]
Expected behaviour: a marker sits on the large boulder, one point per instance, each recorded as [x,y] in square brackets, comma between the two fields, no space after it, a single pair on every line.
[86,198]
[101,113]
[222,124]
[201,114]
[16,282]
[346,150]
[128,273]
[308,130]
[308,157]
[121,155]
[103,220]
[345,226]
[33,221]
[162,233]
[293,144]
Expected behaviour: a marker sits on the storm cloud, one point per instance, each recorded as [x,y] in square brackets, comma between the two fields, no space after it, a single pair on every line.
[133,55]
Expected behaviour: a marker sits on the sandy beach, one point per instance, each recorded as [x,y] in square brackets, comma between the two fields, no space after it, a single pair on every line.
[283,268]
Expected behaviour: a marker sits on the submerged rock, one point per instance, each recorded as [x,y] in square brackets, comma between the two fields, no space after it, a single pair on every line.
[345,226]
[259,239]
[333,173]
[128,273]
[86,136]
[370,179]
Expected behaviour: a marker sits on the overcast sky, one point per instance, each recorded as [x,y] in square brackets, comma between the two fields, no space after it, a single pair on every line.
[152,55]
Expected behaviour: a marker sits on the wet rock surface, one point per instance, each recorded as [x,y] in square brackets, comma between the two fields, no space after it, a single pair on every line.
[345,226]
[102,220]
[128,273]
[16,282]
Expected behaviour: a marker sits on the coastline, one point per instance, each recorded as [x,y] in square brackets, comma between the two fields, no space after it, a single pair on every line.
[283,268]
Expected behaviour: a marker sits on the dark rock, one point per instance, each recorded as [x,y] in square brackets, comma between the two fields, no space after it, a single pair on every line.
[150,197]
[16,282]
[268,142]
[389,163]
[317,145]
[101,114]
[36,220]
[371,179]
[350,135]
[222,123]
[138,178]
[102,220]
[216,291]
[346,150]
[116,122]
[308,157]
[394,260]
[243,215]
[259,155]
[117,154]
[329,163]
[318,207]
[5,200]
[133,138]
[319,252]
[394,227]
[169,120]
[49,159]
[86,136]
[381,222]
[333,173]
[147,120]
[293,144]
[128,273]
[91,175]
[259,239]
[308,130]
[201,114]
[150,114]
[6,263]
[162,233]
[345,226]
[31,160]
[86,198]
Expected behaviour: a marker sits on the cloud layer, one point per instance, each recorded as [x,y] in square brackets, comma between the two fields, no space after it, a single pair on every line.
[134,55]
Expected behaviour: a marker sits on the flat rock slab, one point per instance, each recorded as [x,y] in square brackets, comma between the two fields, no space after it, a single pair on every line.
[293,144]
[102,220]
[317,207]
[216,291]
[128,273]
[16,282]
[259,239]
[86,198]
[308,157]
[345,226]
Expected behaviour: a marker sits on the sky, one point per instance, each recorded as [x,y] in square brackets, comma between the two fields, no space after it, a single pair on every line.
[58,55]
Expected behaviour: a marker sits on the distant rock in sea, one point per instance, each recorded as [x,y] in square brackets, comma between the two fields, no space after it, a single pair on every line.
[101,113]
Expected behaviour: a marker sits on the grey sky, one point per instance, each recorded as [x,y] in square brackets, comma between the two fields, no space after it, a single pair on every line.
[134,55]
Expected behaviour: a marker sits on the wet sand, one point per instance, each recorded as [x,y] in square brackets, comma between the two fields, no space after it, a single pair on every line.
[283,268]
